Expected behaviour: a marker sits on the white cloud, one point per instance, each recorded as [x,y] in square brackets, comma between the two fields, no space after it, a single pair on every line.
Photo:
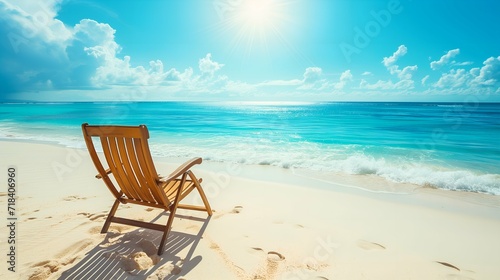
[444,59]
[346,76]
[389,63]
[454,79]
[405,75]
[98,41]
[407,72]
[401,51]
[52,56]
[34,50]
[312,80]
[209,67]
[34,20]
[98,38]
[344,79]
[489,74]
[476,80]
[312,75]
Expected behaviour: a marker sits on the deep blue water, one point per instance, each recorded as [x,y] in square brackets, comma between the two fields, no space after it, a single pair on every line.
[447,145]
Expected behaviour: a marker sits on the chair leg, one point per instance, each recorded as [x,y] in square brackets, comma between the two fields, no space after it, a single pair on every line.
[201,192]
[173,209]
[166,232]
[110,216]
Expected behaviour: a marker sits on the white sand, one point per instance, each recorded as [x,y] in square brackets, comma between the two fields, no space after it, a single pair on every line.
[268,223]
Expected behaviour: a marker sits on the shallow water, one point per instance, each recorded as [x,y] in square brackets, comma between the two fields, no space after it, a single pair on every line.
[446,145]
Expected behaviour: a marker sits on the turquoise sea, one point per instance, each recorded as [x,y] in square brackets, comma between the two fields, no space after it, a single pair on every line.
[451,146]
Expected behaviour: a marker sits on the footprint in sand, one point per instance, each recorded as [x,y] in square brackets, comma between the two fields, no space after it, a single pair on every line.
[237,209]
[256,251]
[92,217]
[271,264]
[448,265]
[273,261]
[74,197]
[275,256]
[367,245]
[460,276]
[43,270]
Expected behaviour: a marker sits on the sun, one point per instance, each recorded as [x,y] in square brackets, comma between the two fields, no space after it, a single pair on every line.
[254,25]
[258,13]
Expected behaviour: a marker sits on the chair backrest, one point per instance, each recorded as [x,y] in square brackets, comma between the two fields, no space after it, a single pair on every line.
[128,157]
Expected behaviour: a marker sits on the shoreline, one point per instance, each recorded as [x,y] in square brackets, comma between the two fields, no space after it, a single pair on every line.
[366,182]
[268,224]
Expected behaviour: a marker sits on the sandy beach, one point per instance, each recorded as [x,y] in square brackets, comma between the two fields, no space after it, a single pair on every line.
[269,223]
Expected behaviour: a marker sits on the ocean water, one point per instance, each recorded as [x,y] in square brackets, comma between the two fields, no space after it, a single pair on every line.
[452,146]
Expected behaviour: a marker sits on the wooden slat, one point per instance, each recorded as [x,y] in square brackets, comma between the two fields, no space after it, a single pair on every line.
[111,154]
[129,174]
[151,182]
[144,203]
[170,188]
[113,131]
[139,176]
[136,223]
[97,162]
[191,207]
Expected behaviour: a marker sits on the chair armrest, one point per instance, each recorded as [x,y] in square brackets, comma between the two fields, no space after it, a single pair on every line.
[182,169]
[98,176]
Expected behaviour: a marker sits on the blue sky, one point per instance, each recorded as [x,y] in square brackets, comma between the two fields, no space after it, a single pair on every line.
[294,50]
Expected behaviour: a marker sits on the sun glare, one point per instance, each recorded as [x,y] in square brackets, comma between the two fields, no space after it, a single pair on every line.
[255,25]
[258,13]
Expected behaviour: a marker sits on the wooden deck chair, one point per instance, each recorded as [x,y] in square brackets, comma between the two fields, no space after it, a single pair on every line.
[129,160]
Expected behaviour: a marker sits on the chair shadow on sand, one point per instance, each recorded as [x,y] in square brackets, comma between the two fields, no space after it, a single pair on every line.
[110,259]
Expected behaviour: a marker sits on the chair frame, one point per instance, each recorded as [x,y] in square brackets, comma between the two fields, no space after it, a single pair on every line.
[127,154]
